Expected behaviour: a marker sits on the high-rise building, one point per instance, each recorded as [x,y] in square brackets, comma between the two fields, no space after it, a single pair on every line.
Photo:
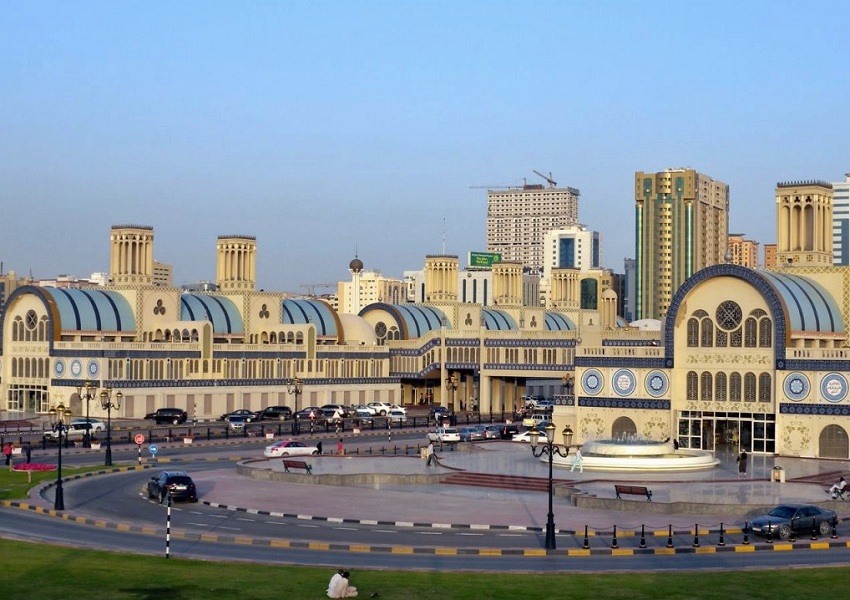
[743,252]
[629,266]
[681,226]
[163,274]
[841,221]
[770,256]
[573,247]
[519,218]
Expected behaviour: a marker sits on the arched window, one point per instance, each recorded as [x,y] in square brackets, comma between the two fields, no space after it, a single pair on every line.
[707,333]
[705,386]
[765,333]
[720,387]
[749,387]
[833,442]
[623,428]
[750,327]
[693,333]
[735,387]
[764,387]
[692,386]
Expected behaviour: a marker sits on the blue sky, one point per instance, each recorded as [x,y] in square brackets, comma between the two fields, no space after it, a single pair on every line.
[325,128]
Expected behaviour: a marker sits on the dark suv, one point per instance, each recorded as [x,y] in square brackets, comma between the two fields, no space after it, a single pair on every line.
[176,483]
[507,431]
[275,413]
[163,416]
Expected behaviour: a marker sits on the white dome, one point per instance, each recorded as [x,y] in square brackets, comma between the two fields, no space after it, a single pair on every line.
[646,324]
[357,330]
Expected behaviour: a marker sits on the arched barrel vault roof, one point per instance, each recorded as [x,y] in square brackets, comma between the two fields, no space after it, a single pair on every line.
[315,312]
[559,322]
[218,310]
[796,303]
[497,320]
[413,320]
[92,309]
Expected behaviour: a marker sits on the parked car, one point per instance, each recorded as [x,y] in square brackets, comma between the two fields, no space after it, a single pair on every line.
[364,415]
[238,421]
[73,431]
[786,519]
[304,413]
[275,413]
[163,416]
[470,434]
[176,483]
[364,407]
[96,424]
[444,435]
[380,408]
[490,432]
[289,448]
[537,416]
[345,411]
[525,436]
[397,416]
[507,431]
[437,412]
[249,415]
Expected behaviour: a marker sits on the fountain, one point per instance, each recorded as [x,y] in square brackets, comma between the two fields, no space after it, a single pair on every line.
[633,454]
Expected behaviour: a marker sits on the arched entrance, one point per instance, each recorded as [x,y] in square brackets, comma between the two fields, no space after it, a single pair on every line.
[623,428]
[833,442]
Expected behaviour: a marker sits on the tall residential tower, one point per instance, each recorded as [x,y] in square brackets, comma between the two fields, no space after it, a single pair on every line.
[519,218]
[681,226]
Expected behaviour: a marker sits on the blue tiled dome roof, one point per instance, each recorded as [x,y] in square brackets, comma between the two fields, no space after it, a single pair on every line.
[92,309]
[219,310]
[497,320]
[318,313]
[559,322]
[413,320]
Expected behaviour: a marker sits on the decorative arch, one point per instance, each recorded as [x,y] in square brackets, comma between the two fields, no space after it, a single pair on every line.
[623,428]
[833,442]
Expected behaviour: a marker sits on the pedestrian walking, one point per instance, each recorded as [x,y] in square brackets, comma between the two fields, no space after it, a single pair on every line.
[429,452]
[742,464]
[577,462]
[340,447]
[319,446]
[7,452]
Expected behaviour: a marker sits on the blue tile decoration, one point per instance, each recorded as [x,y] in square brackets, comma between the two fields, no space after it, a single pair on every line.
[796,387]
[833,387]
[592,381]
[623,382]
[632,403]
[832,410]
[656,383]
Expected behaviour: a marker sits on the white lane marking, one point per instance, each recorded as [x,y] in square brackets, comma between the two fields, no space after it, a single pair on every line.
[474,534]
[311,526]
[244,519]
[385,531]
[346,529]
[429,532]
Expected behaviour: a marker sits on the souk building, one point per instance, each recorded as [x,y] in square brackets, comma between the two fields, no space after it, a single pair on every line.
[744,358]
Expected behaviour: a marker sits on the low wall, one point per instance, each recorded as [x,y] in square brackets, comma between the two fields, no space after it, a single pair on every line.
[245,468]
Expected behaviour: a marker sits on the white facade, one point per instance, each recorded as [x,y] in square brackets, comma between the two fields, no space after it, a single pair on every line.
[841,221]
[475,286]
[368,287]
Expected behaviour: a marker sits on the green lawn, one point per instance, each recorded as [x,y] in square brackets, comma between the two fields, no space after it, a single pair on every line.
[32,571]
[15,485]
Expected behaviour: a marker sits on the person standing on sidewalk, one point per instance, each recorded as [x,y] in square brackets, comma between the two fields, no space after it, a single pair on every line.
[340,448]
[429,452]
[742,464]
[7,452]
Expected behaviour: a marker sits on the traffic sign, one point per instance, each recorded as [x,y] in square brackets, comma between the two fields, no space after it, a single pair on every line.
[153,449]
[139,439]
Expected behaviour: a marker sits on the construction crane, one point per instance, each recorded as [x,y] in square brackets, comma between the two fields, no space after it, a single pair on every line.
[552,182]
[494,187]
[311,287]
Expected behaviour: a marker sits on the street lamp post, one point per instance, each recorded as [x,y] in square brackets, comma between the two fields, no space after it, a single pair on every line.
[550,449]
[451,386]
[86,392]
[294,385]
[107,403]
[59,418]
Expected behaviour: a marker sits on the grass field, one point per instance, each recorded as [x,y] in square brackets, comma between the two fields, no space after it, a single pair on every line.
[35,571]
[15,485]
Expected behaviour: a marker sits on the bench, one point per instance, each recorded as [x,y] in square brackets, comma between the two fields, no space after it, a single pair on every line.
[297,464]
[634,490]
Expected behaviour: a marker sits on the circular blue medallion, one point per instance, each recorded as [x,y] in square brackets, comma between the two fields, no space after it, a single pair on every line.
[656,383]
[591,381]
[833,387]
[796,387]
[76,368]
[93,368]
[624,382]
[59,367]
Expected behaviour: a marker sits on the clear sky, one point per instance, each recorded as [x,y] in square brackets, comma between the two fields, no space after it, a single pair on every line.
[329,128]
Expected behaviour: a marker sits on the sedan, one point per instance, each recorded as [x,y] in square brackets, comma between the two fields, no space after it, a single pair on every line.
[95,424]
[471,434]
[238,421]
[247,415]
[289,448]
[786,519]
[397,416]
[490,432]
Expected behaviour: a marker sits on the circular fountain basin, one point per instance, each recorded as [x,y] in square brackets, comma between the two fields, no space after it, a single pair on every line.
[639,455]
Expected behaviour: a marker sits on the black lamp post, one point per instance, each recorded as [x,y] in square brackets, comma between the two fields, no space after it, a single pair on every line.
[294,385]
[551,449]
[107,403]
[451,386]
[59,418]
[86,392]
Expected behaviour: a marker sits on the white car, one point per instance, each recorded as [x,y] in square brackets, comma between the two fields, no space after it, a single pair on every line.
[289,448]
[525,436]
[380,408]
[359,408]
[444,435]
[96,424]
[397,416]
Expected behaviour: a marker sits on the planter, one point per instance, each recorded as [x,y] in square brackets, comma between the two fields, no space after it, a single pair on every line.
[269,436]
[95,445]
[356,430]
[187,440]
[17,450]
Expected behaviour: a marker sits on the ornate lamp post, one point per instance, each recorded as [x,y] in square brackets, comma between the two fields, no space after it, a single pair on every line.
[87,392]
[107,403]
[451,386]
[294,385]
[551,449]
[59,419]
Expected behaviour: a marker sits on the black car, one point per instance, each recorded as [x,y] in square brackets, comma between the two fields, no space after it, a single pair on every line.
[164,416]
[243,413]
[275,413]
[786,519]
[176,483]
[507,431]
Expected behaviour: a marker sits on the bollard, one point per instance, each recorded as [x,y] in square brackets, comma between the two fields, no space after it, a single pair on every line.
[834,527]
[642,537]
[670,536]
[721,542]
[586,543]
[696,535]
[746,541]
[814,531]
[614,541]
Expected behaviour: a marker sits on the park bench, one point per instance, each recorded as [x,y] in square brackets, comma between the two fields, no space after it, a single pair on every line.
[634,490]
[297,464]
